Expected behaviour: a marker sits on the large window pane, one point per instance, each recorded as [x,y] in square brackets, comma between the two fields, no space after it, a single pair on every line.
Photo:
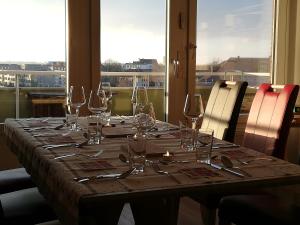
[234,41]
[32,56]
[133,36]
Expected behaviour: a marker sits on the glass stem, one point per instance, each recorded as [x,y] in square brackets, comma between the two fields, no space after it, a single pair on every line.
[99,129]
[194,123]
[76,122]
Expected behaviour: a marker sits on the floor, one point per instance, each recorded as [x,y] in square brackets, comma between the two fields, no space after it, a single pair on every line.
[189,214]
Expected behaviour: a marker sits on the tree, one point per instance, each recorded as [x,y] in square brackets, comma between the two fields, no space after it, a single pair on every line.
[111,65]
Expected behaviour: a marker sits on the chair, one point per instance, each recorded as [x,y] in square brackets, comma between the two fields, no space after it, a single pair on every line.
[270,119]
[259,210]
[14,180]
[25,206]
[221,115]
[223,108]
[266,131]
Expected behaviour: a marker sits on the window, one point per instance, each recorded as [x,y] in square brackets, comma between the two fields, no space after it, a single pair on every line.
[234,40]
[32,57]
[133,37]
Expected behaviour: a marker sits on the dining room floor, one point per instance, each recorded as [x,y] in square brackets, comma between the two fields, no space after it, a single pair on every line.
[189,213]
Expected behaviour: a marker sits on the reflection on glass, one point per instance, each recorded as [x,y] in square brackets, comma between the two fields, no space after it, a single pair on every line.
[234,41]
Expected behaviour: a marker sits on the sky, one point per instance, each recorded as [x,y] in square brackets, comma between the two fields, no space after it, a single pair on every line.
[32,30]
[132,29]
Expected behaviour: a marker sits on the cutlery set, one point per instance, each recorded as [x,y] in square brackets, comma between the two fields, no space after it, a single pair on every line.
[74,154]
[105,176]
[76,145]
[228,165]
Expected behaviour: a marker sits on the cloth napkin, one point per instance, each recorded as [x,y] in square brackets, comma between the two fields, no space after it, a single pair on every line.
[119,131]
[199,172]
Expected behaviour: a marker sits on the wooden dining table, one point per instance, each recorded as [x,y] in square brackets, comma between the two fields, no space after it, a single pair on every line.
[77,202]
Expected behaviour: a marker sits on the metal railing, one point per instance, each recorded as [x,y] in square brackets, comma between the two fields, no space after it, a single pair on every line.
[152,80]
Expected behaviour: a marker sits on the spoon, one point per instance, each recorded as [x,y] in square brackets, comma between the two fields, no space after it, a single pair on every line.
[123,158]
[228,164]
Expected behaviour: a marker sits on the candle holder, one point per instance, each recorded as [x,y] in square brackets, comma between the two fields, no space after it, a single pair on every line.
[168,156]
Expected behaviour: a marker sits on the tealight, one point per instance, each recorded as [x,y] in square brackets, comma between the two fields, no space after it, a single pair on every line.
[167,156]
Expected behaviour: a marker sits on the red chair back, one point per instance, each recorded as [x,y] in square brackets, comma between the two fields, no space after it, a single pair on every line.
[270,119]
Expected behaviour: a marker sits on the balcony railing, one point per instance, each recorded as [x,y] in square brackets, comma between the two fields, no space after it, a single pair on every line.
[17,104]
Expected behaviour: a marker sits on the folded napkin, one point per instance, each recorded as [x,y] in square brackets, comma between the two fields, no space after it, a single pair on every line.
[199,172]
[36,123]
[59,139]
[119,131]
[95,165]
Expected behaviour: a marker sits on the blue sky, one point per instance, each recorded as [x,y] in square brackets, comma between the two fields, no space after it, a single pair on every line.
[233,28]
[133,29]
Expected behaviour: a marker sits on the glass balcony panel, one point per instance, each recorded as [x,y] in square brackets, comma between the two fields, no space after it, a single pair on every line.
[133,37]
[35,61]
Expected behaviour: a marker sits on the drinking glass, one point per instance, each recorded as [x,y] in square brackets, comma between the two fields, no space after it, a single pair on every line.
[97,105]
[139,98]
[144,118]
[186,137]
[70,117]
[203,142]
[137,152]
[193,109]
[107,114]
[77,99]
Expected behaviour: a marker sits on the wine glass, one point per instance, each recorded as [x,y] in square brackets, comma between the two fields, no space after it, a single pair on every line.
[193,109]
[97,105]
[107,114]
[139,98]
[144,118]
[76,100]
[143,111]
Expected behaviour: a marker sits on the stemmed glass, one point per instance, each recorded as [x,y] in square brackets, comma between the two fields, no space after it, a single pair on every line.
[97,105]
[139,98]
[107,114]
[193,112]
[76,99]
[143,111]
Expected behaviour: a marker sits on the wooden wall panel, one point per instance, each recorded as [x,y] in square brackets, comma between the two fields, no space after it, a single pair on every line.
[83,45]
[178,34]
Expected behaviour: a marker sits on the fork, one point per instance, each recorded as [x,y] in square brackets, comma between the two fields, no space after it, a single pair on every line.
[76,145]
[79,153]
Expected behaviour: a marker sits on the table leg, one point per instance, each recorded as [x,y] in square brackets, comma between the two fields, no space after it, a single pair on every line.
[158,211]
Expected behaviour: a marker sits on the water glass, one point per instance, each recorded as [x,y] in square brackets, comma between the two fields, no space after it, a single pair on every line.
[71,121]
[203,142]
[70,117]
[93,132]
[186,137]
[137,152]
[77,99]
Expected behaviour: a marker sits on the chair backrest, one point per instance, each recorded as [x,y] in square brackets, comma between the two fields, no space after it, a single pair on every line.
[270,119]
[223,108]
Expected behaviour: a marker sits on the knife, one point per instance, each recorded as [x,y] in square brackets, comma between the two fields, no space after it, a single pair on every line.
[226,169]
[225,146]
